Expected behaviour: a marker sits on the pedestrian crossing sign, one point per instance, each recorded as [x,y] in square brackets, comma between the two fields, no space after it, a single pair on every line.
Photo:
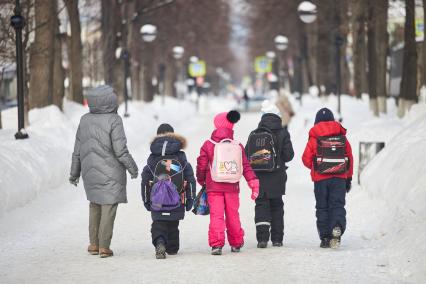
[197,69]
[262,64]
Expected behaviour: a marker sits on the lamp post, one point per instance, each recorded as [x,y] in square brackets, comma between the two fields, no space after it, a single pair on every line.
[18,23]
[272,79]
[338,41]
[149,34]
[281,44]
[308,14]
[178,52]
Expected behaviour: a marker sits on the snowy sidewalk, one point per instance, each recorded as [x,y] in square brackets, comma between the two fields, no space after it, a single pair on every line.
[45,241]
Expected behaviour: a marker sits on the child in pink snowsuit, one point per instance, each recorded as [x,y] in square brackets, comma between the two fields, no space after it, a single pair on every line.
[223,198]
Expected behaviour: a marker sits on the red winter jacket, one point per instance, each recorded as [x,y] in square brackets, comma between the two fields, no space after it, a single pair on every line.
[206,157]
[325,128]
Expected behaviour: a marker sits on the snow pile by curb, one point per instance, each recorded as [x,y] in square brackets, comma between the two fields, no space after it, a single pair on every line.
[397,178]
[33,165]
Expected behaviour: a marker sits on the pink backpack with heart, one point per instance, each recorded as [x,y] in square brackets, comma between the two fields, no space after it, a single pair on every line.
[227,163]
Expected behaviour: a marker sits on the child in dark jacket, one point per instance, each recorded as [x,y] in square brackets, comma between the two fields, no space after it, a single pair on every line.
[269,209]
[330,188]
[165,225]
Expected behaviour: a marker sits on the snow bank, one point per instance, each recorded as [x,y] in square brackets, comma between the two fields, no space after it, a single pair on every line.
[396,177]
[41,163]
[34,165]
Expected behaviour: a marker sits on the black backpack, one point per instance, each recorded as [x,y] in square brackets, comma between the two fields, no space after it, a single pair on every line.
[261,150]
[331,155]
[169,168]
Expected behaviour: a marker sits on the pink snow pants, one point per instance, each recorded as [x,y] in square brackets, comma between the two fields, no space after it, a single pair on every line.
[224,213]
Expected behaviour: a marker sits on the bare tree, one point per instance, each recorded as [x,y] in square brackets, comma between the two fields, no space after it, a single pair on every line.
[423,79]
[75,52]
[42,52]
[359,9]
[382,45]
[408,94]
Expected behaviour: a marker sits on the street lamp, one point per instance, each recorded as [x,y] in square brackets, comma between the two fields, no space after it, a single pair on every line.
[18,23]
[193,59]
[308,14]
[178,52]
[148,32]
[281,44]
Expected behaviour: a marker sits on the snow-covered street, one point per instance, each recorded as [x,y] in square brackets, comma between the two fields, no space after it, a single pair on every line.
[45,240]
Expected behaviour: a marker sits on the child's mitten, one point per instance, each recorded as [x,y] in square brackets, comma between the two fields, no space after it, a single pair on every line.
[254,185]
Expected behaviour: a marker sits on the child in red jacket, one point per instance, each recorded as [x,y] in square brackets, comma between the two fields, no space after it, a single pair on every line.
[223,198]
[331,173]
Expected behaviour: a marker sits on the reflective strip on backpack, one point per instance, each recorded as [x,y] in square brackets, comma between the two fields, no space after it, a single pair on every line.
[263,224]
[331,160]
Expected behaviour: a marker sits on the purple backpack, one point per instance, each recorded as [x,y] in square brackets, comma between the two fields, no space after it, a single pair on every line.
[164,196]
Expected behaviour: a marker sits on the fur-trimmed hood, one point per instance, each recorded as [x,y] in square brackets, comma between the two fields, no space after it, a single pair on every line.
[175,143]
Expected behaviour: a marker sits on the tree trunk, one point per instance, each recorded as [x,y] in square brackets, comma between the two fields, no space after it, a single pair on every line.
[148,68]
[423,79]
[342,7]
[170,77]
[41,59]
[325,68]
[408,95]
[359,45]
[58,71]
[372,62]
[75,52]
[110,27]
[382,38]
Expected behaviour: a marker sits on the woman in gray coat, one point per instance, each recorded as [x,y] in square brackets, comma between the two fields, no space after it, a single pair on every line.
[102,158]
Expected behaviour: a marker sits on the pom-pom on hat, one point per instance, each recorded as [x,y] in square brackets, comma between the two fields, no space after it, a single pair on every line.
[270,107]
[226,119]
[324,114]
[165,128]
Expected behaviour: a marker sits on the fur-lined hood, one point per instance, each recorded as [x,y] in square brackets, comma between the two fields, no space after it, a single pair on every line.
[175,143]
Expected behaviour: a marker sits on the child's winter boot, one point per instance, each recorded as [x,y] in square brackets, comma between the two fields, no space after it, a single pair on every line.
[160,250]
[335,240]
[237,248]
[105,252]
[277,244]
[93,249]
[262,245]
[325,243]
[216,250]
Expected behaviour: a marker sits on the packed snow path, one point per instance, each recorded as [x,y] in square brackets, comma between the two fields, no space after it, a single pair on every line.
[45,241]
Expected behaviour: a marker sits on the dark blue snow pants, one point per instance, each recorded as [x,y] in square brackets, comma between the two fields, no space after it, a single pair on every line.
[330,205]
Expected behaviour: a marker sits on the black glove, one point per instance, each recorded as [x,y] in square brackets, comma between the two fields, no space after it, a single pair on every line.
[147,206]
[189,204]
[348,184]
[74,180]
[134,175]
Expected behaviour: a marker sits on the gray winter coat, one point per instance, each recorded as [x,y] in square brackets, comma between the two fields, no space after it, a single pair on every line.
[100,151]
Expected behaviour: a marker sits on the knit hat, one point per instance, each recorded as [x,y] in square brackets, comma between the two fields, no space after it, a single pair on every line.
[165,128]
[324,114]
[226,119]
[270,107]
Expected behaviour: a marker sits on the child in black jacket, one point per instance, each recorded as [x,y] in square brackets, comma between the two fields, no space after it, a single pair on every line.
[164,229]
[269,209]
